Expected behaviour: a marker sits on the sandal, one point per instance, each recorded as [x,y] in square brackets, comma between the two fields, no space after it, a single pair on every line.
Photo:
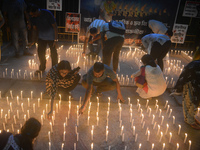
[195,126]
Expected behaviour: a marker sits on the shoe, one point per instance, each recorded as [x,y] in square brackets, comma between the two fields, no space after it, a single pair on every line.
[175,93]
[27,53]
[195,126]
[197,121]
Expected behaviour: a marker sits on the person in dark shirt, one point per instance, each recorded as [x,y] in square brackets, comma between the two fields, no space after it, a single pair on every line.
[24,140]
[44,21]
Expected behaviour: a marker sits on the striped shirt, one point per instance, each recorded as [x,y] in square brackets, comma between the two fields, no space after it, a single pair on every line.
[97,24]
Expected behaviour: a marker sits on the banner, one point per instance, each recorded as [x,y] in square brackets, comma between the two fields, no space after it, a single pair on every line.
[72,22]
[192,9]
[179,31]
[54,5]
[134,14]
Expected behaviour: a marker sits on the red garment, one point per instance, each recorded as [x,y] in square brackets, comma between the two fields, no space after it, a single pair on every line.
[141,81]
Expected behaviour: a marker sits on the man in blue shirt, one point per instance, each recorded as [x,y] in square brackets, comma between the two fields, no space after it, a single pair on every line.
[44,21]
[103,77]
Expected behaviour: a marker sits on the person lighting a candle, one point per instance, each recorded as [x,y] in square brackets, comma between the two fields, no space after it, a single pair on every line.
[61,80]
[188,85]
[104,78]
[24,140]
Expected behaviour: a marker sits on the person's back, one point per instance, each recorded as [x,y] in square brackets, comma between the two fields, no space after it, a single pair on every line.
[157,27]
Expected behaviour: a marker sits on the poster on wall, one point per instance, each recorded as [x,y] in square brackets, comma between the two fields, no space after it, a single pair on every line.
[179,31]
[54,5]
[192,9]
[134,14]
[72,22]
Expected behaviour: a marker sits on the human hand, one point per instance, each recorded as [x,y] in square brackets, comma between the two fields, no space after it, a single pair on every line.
[81,110]
[132,76]
[91,42]
[120,97]
[83,54]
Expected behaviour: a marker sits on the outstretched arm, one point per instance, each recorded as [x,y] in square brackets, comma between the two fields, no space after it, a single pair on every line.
[119,91]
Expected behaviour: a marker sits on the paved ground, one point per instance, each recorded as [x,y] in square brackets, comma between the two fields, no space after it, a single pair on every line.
[128,65]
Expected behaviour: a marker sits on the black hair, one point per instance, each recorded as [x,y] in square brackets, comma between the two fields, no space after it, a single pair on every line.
[64,65]
[29,131]
[169,32]
[93,30]
[32,8]
[148,60]
[98,66]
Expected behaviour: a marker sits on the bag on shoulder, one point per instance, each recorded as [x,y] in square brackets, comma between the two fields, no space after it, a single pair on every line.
[117,27]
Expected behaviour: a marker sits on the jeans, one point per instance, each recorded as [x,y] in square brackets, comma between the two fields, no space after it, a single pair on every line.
[106,85]
[159,51]
[15,33]
[112,45]
[91,46]
[42,45]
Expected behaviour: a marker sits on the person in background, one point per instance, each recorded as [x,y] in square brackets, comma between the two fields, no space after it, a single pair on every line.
[188,85]
[44,21]
[24,140]
[103,77]
[14,12]
[93,36]
[61,80]
[155,82]
[111,46]
[2,21]
[106,10]
[157,45]
[157,27]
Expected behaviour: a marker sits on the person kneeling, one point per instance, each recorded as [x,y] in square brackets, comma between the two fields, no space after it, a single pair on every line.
[61,80]
[151,79]
[103,77]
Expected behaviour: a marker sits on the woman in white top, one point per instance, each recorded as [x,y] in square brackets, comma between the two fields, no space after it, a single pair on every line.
[155,82]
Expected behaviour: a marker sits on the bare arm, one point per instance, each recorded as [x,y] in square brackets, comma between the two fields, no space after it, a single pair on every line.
[119,91]
[136,74]
[86,98]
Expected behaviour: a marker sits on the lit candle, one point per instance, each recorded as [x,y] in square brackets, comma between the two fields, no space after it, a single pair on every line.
[167,129]
[129,100]
[152,146]
[25,118]
[51,126]
[62,146]
[177,146]
[14,118]
[77,136]
[173,119]
[11,107]
[74,146]
[41,95]
[31,94]
[22,106]
[28,102]
[49,145]
[56,107]
[140,145]
[8,113]
[17,114]
[170,137]
[149,112]
[185,138]
[166,104]
[143,124]
[17,100]
[28,114]
[158,129]
[142,118]
[106,135]
[170,113]
[179,129]
[41,119]
[92,146]
[163,146]
[161,135]
[122,128]
[33,107]
[64,135]
[147,103]
[88,120]
[162,120]
[153,119]
[64,125]
[160,111]
[190,143]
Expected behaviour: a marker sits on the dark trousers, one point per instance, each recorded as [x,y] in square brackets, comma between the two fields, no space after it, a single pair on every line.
[42,45]
[91,46]
[158,52]
[65,91]
[112,45]
[106,85]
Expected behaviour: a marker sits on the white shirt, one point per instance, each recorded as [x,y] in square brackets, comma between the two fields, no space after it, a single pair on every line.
[157,27]
[148,40]
[97,24]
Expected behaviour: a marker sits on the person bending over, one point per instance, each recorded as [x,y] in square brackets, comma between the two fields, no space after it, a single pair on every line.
[103,77]
[61,80]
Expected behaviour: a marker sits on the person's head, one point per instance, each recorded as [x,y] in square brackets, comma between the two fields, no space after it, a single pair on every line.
[31,128]
[148,60]
[93,31]
[63,68]
[33,10]
[98,69]
[169,33]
